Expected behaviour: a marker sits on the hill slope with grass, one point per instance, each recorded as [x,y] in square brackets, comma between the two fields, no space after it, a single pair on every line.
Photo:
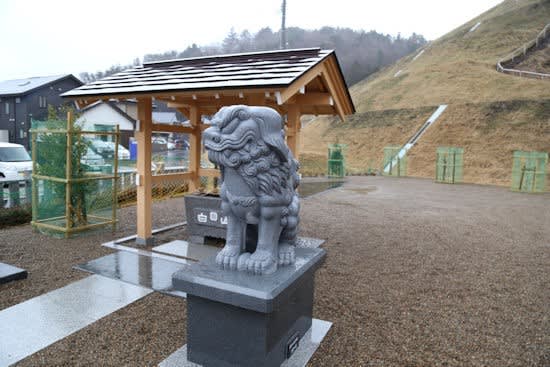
[490,114]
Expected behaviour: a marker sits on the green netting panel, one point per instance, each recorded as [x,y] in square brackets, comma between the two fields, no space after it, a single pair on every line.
[449,165]
[393,164]
[529,171]
[90,182]
[336,160]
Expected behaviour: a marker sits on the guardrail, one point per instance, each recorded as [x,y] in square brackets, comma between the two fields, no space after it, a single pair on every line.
[14,193]
[522,52]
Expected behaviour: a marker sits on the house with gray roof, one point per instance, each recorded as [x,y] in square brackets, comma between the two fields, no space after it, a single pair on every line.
[24,99]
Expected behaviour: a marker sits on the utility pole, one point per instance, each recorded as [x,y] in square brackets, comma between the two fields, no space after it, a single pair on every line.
[282,45]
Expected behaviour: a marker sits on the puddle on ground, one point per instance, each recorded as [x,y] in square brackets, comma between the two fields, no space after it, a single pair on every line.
[310,188]
[363,190]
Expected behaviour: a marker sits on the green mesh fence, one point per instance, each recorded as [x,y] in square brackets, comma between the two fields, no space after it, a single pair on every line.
[74,184]
[336,160]
[449,165]
[529,171]
[393,164]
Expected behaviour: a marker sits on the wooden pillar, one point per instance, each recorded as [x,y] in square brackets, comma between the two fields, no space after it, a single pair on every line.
[293,129]
[194,148]
[144,175]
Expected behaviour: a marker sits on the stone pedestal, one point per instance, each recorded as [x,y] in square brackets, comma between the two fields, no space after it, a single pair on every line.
[237,319]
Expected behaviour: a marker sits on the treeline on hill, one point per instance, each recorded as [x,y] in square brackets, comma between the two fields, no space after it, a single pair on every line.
[360,53]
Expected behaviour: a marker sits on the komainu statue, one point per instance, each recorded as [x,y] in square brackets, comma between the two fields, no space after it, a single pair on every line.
[259,180]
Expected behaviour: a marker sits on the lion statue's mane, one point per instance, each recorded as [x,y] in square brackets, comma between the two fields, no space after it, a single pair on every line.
[250,142]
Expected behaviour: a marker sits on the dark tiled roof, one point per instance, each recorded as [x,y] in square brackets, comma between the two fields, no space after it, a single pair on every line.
[17,87]
[248,70]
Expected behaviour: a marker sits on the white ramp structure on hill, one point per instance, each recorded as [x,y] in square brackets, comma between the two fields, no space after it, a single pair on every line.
[415,137]
[474,27]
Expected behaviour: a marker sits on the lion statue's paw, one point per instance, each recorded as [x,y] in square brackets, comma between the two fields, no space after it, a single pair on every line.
[261,262]
[228,257]
[287,255]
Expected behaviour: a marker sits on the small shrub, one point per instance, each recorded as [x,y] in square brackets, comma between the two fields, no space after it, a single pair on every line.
[15,216]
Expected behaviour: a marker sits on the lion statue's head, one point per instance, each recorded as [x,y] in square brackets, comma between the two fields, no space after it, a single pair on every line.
[251,140]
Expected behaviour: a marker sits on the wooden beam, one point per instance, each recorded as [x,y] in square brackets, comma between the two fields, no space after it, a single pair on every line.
[195,148]
[256,99]
[168,95]
[209,172]
[334,92]
[312,99]
[206,102]
[172,128]
[144,188]
[170,177]
[302,81]
[184,111]
[293,130]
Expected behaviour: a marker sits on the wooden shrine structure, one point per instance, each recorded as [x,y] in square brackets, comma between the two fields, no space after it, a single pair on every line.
[293,82]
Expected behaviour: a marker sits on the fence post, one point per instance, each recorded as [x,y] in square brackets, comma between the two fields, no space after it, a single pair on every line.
[115,178]
[13,188]
[1,194]
[34,200]
[68,176]
[28,191]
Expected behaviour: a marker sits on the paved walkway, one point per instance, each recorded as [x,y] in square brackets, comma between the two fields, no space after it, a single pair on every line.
[41,321]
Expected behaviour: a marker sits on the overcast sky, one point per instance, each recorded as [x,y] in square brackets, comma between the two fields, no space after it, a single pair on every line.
[46,37]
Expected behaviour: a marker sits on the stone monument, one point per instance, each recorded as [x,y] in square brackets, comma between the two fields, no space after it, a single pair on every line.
[253,302]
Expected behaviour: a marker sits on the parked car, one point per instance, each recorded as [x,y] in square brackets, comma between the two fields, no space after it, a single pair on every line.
[15,162]
[159,144]
[103,148]
[91,158]
[181,144]
[123,153]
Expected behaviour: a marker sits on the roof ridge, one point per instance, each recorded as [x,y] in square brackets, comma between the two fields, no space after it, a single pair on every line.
[234,55]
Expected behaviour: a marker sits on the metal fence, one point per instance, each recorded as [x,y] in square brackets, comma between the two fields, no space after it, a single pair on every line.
[521,53]
[15,193]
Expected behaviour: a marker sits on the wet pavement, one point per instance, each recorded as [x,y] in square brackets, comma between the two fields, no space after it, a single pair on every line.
[146,271]
[308,188]
[35,324]
[187,250]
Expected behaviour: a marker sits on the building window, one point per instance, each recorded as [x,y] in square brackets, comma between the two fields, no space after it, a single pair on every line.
[7,108]
[18,100]
[42,103]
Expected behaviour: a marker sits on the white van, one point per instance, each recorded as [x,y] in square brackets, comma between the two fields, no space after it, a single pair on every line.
[15,162]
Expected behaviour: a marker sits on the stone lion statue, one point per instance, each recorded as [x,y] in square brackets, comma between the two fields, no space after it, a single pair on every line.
[258,190]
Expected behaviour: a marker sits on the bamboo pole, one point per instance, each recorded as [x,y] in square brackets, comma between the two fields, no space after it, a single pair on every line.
[68,174]
[34,202]
[82,132]
[115,177]
[454,165]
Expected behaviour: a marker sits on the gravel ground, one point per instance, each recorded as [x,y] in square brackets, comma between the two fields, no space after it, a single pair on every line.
[417,274]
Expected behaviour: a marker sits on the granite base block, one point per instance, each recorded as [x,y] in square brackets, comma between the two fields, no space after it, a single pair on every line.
[238,319]
[307,347]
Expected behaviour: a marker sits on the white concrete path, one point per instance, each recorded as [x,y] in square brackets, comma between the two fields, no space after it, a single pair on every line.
[39,322]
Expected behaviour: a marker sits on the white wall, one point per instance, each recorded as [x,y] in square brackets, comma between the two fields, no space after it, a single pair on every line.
[103,114]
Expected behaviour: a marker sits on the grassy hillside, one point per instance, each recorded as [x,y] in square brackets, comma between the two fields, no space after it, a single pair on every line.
[490,114]
[460,66]
[366,135]
[489,133]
